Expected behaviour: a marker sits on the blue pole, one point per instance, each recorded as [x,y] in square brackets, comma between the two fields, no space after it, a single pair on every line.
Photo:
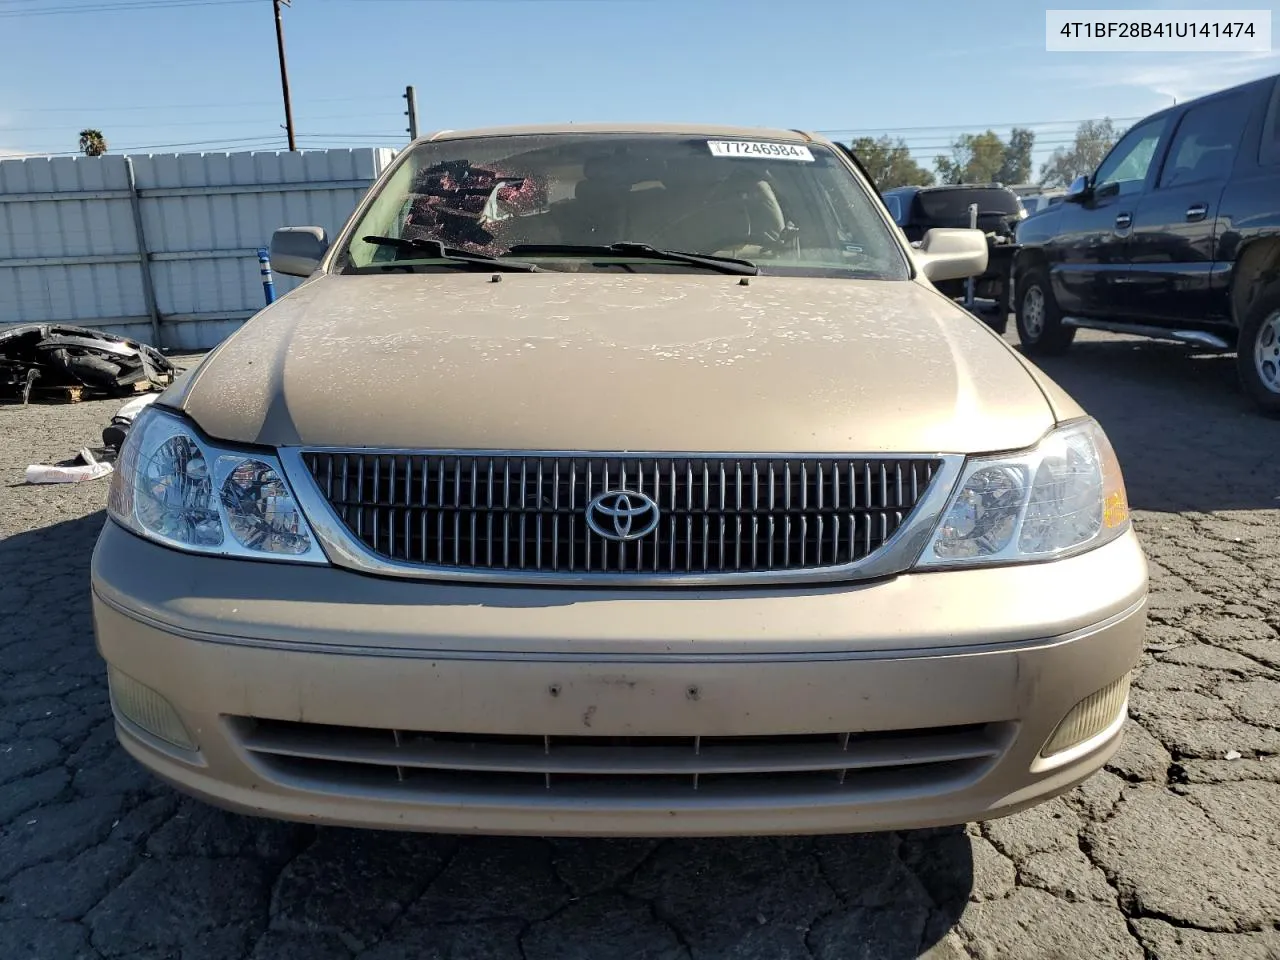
[268,286]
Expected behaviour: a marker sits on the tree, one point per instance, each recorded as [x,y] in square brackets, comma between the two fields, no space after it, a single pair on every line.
[1094,138]
[890,163]
[975,158]
[1017,156]
[985,158]
[92,143]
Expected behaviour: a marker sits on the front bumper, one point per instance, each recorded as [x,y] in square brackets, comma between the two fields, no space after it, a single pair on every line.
[997,656]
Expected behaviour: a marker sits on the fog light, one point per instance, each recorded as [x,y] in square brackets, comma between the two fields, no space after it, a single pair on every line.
[1089,717]
[153,713]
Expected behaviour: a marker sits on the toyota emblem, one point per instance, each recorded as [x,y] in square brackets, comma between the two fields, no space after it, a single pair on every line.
[622,515]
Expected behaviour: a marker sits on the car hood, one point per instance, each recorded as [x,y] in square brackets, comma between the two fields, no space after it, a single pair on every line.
[643,362]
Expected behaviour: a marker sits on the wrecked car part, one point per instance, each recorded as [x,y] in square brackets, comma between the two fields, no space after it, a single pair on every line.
[40,355]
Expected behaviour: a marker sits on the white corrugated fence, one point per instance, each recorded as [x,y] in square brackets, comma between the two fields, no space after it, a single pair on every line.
[162,248]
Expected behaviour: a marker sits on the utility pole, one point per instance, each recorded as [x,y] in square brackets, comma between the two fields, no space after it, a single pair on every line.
[412,112]
[284,74]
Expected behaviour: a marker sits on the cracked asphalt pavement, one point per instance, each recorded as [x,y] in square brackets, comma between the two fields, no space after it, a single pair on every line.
[1172,853]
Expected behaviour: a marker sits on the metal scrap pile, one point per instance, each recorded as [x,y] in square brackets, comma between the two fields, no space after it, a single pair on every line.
[40,355]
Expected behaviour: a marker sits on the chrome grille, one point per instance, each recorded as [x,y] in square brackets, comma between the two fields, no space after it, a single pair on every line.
[322,756]
[468,511]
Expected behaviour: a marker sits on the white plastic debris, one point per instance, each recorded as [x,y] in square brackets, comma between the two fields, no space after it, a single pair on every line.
[1234,754]
[135,406]
[91,469]
[113,435]
[45,473]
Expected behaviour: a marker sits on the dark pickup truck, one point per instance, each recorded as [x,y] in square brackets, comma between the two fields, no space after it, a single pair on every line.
[1176,236]
[918,210]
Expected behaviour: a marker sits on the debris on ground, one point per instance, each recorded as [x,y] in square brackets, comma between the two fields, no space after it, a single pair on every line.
[93,463]
[60,361]
[1234,754]
[113,434]
[86,466]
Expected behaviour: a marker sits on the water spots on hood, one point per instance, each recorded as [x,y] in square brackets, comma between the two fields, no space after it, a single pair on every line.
[559,359]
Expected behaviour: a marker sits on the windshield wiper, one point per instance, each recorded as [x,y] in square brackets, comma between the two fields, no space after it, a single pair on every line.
[721,264]
[438,251]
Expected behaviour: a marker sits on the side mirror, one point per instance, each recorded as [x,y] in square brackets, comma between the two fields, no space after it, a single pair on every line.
[1079,189]
[297,251]
[948,253]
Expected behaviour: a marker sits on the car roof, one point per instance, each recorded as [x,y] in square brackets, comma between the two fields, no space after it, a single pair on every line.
[939,187]
[936,188]
[1226,91]
[686,129]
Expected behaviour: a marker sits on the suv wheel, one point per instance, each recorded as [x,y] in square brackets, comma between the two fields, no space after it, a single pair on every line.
[1040,326]
[1258,353]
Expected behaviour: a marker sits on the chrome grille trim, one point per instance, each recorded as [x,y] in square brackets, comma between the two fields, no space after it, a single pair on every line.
[619,767]
[781,524]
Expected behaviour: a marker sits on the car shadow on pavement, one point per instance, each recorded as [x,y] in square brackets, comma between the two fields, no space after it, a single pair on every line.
[1187,437]
[321,892]
[46,578]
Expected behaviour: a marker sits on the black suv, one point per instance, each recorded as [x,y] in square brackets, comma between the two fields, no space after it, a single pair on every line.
[918,210]
[1175,236]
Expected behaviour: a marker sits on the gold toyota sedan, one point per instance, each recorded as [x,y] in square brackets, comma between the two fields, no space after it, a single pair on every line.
[619,480]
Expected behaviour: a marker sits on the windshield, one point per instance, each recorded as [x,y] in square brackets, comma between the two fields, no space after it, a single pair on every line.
[788,208]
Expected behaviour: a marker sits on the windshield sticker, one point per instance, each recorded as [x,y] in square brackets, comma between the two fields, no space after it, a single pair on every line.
[760,150]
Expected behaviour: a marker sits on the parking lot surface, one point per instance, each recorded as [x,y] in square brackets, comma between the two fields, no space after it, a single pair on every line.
[1172,853]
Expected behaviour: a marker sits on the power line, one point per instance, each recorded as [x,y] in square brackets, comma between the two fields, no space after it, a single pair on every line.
[976,126]
[169,124]
[306,141]
[1054,142]
[211,145]
[920,151]
[125,6]
[923,151]
[100,6]
[185,106]
[276,144]
[1058,137]
[924,156]
[382,138]
[463,2]
[200,143]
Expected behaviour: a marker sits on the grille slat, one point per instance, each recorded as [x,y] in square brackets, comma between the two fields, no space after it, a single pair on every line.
[326,757]
[391,526]
[459,511]
[359,501]
[620,755]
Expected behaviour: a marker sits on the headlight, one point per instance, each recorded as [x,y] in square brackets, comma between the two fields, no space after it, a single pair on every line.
[1063,496]
[178,489]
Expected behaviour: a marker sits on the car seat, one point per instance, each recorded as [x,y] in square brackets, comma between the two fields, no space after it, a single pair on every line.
[735,215]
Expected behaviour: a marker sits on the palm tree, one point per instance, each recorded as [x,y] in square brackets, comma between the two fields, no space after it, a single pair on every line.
[92,143]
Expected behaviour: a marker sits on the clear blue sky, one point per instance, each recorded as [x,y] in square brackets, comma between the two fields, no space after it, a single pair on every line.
[177,75]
